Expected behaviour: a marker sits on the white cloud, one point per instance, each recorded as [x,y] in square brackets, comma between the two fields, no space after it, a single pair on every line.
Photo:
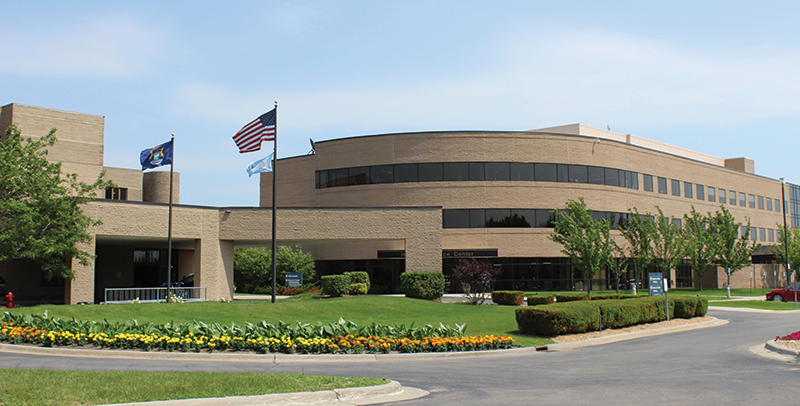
[543,77]
[100,45]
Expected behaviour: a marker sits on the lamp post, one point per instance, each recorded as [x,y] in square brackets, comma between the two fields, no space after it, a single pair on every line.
[786,236]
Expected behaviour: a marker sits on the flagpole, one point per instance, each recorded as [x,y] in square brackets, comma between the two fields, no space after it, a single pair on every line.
[274,207]
[169,227]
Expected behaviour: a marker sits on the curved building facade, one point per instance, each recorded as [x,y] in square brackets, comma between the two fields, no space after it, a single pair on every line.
[496,190]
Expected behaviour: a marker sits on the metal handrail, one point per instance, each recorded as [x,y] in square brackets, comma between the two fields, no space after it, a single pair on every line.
[152,295]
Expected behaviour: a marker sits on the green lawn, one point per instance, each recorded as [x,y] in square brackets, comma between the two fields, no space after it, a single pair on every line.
[363,310]
[26,387]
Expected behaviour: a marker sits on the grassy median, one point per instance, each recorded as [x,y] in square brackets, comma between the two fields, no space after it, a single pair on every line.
[32,387]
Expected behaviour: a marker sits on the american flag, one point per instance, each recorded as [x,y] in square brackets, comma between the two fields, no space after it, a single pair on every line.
[249,138]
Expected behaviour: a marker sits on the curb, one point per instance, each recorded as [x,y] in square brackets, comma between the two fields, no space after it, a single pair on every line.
[389,392]
[773,346]
[624,336]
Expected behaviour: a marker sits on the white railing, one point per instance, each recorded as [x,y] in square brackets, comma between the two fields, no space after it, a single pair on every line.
[150,295]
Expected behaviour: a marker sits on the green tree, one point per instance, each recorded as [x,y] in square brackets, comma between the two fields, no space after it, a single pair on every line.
[252,267]
[733,250]
[701,242]
[41,209]
[639,231]
[669,247]
[586,241]
[792,240]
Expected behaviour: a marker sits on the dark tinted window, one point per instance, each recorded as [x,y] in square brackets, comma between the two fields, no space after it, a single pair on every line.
[701,192]
[476,171]
[563,173]
[455,171]
[381,174]
[498,218]
[545,172]
[688,190]
[544,218]
[359,176]
[676,187]
[405,173]
[338,177]
[612,177]
[635,181]
[712,194]
[523,218]
[662,185]
[430,172]
[497,171]
[477,218]
[521,171]
[596,175]
[323,179]
[455,218]
[578,174]
[648,182]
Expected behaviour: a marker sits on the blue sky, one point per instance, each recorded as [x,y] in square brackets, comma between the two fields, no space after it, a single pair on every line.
[716,77]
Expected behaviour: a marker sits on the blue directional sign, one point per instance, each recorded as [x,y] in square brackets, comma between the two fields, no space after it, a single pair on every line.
[294,279]
[656,284]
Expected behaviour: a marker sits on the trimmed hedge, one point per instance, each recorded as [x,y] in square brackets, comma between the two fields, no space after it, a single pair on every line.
[335,285]
[359,277]
[583,315]
[358,289]
[535,299]
[508,297]
[428,285]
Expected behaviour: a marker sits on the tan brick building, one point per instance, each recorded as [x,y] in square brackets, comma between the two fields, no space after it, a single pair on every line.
[395,202]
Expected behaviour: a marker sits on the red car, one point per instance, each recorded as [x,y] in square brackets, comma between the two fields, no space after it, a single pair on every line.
[788,294]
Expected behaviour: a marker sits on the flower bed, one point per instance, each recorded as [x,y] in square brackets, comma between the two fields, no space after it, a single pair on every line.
[182,338]
[790,337]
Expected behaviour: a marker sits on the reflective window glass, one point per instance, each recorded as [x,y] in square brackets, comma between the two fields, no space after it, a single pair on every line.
[612,177]
[476,171]
[732,198]
[578,174]
[405,173]
[648,182]
[769,204]
[523,218]
[761,202]
[743,199]
[751,201]
[359,176]
[497,171]
[544,218]
[338,177]
[498,218]
[545,172]
[596,175]
[455,171]
[521,171]
[322,179]
[662,185]
[688,190]
[430,172]
[455,218]
[477,218]
[381,174]
[712,194]
[701,192]
[563,173]
[676,187]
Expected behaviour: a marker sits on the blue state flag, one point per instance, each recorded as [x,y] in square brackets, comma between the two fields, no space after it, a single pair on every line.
[157,156]
[262,165]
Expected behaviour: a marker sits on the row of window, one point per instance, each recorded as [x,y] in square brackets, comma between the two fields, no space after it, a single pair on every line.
[117,193]
[543,218]
[710,193]
[476,171]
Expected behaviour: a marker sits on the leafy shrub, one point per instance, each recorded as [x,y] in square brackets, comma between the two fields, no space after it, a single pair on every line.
[535,300]
[685,307]
[508,297]
[252,267]
[358,289]
[558,318]
[476,278]
[427,285]
[575,317]
[702,307]
[358,277]
[335,285]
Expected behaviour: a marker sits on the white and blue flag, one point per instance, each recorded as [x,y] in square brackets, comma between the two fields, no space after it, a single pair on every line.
[262,165]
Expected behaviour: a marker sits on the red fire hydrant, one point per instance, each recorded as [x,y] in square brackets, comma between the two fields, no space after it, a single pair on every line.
[10,300]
